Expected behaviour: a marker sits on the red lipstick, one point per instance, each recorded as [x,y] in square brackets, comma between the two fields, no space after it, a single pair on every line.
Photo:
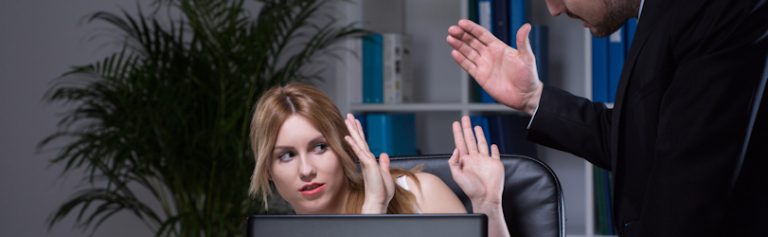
[312,189]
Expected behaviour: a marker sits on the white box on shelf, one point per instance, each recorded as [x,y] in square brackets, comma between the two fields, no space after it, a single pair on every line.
[397,69]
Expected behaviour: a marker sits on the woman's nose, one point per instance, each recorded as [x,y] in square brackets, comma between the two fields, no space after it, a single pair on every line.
[307,170]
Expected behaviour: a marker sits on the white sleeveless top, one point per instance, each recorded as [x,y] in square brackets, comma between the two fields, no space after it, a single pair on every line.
[402,181]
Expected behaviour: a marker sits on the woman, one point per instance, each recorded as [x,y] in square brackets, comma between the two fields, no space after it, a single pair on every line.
[296,136]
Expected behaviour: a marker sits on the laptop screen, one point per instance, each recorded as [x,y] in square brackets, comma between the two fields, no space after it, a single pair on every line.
[400,225]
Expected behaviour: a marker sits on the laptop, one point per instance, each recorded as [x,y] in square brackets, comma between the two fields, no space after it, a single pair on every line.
[384,225]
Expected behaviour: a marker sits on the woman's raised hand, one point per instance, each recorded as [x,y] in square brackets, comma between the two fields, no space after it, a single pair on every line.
[478,173]
[379,186]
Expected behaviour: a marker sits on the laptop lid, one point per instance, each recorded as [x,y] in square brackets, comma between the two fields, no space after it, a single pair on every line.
[400,225]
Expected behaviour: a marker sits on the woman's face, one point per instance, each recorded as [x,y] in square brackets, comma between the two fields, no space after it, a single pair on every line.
[305,171]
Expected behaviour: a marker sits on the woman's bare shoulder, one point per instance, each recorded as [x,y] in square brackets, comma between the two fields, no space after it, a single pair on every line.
[433,195]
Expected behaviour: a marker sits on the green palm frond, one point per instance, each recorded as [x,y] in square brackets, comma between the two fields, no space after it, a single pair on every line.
[169,112]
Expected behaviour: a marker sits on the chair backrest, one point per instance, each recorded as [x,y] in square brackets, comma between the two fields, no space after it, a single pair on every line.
[532,198]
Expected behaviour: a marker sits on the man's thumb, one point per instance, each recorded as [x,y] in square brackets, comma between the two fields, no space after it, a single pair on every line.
[523,42]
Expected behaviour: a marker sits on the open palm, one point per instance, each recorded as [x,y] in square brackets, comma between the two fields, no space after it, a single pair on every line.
[509,75]
[478,173]
[378,183]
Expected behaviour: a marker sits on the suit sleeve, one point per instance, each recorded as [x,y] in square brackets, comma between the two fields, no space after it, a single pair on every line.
[573,124]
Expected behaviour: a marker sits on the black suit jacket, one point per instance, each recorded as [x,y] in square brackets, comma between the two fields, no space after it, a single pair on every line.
[674,137]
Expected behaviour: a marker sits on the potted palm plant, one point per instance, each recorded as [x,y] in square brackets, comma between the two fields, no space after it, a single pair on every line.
[168,114]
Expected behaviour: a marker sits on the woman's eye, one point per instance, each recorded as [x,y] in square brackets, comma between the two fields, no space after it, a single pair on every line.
[321,147]
[285,157]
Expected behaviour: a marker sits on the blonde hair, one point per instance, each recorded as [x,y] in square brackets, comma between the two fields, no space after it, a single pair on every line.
[279,103]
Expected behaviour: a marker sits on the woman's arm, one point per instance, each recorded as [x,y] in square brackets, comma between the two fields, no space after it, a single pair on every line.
[480,174]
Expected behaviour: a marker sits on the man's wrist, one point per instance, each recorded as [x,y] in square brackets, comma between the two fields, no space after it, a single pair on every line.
[533,100]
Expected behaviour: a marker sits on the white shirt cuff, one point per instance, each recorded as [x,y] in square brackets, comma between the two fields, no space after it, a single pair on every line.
[532,116]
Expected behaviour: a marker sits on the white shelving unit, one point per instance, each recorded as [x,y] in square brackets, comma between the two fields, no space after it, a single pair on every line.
[442,88]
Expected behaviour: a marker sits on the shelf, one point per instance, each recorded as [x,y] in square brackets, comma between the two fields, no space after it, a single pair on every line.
[432,107]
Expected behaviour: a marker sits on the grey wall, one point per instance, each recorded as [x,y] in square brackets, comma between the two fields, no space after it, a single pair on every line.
[39,40]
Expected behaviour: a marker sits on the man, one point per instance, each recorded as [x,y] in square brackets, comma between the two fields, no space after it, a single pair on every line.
[675,139]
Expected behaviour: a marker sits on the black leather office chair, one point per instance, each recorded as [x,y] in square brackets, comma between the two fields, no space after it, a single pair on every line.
[532,198]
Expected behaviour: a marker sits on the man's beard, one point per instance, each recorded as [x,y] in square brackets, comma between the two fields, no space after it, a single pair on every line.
[614,19]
